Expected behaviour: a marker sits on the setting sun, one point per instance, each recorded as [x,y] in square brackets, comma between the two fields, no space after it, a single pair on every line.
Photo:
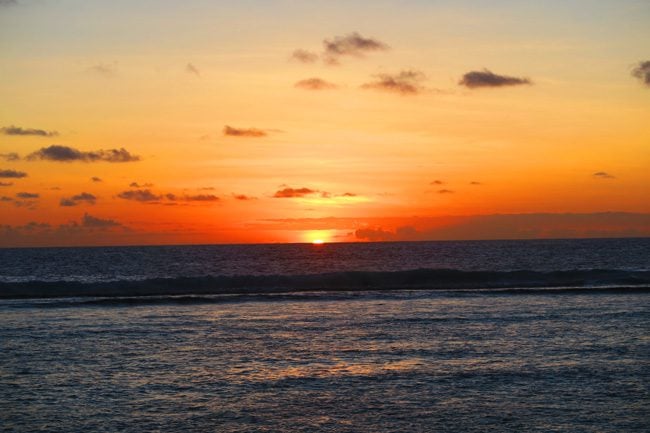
[317,242]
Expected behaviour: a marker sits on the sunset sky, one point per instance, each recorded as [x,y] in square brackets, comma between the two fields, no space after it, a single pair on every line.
[164,122]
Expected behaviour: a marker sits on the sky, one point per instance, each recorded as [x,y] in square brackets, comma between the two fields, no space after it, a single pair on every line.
[167,122]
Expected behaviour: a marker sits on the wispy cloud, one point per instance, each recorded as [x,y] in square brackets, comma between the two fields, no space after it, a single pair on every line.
[90,221]
[436,182]
[445,191]
[96,179]
[352,44]
[294,192]
[243,197]
[304,56]
[243,132]
[6,183]
[642,72]
[17,130]
[191,69]
[141,195]
[11,156]
[475,183]
[104,69]
[603,175]
[137,185]
[315,84]
[60,153]
[84,197]
[12,174]
[27,195]
[486,78]
[405,83]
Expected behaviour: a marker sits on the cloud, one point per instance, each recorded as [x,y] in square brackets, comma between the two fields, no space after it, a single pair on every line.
[304,56]
[486,78]
[77,199]
[642,72]
[603,175]
[475,183]
[17,130]
[11,156]
[243,132]
[90,221]
[293,192]
[60,153]
[5,198]
[352,44]
[27,195]
[315,84]
[137,185]
[405,83]
[141,195]
[201,197]
[191,69]
[8,2]
[6,183]
[348,194]
[12,174]
[96,179]
[445,191]
[103,69]
[242,197]
[437,182]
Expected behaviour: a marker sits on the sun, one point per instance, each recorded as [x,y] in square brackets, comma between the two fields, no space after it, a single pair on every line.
[318,242]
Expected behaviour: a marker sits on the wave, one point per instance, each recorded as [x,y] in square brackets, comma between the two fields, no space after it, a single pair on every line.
[418,279]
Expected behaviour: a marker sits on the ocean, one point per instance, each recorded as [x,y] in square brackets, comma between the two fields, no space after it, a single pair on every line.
[536,336]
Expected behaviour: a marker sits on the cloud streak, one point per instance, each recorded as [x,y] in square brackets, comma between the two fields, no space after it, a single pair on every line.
[12,174]
[304,56]
[352,44]
[17,130]
[11,156]
[191,69]
[60,153]
[84,197]
[315,84]
[294,192]
[243,132]
[486,78]
[405,83]
[603,175]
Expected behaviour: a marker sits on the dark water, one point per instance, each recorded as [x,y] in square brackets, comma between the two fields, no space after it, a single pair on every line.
[470,360]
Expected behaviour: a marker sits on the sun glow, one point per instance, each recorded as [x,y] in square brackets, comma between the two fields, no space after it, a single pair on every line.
[318,242]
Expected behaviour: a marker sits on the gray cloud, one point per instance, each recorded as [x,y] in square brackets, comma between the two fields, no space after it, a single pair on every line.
[6,183]
[315,84]
[17,130]
[103,69]
[642,72]
[12,174]
[293,192]
[405,83]
[352,44]
[96,179]
[486,78]
[304,56]
[243,132]
[90,221]
[141,195]
[191,69]
[603,175]
[137,185]
[60,153]
[11,156]
[201,197]
[437,182]
[242,197]
[5,198]
[78,199]
[27,195]
[475,183]
[445,191]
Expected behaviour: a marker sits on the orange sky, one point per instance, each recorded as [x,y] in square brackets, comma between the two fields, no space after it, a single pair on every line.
[270,121]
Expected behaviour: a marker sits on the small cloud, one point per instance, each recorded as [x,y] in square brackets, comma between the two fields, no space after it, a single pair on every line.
[603,175]
[103,69]
[90,221]
[11,156]
[304,56]
[350,45]
[27,195]
[437,182]
[206,188]
[137,185]
[315,84]
[5,198]
[191,69]
[243,132]
[475,183]
[6,183]
[445,191]
[60,153]
[486,78]
[404,83]
[17,130]
[141,195]
[293,192]
[77,199]
[96,179]
[348,194]
[201,197]
[642,72]
[12,174]
[242,197]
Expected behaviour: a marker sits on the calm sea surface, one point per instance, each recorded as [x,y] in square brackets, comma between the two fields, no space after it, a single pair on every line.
[478,359]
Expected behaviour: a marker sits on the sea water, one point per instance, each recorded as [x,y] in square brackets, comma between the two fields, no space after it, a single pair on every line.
[362,357]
